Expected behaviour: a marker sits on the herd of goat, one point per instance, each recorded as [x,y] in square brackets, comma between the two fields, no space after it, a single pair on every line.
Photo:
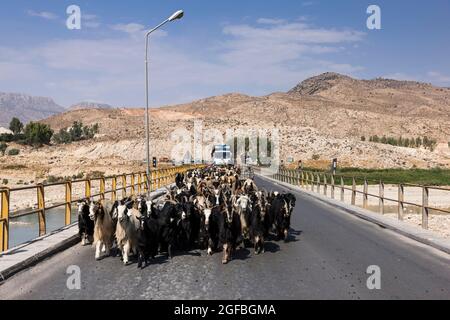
[211,208]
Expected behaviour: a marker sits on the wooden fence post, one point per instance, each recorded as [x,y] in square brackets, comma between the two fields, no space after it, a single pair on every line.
[342,190]
[325,185]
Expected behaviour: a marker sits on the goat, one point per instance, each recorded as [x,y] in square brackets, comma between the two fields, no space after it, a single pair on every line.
[103,229]
[126,230]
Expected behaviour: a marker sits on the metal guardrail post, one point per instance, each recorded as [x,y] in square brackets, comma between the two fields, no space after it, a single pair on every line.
[114,189]
[124,186]
[365,194]
[381,203]
[153,180]
[307,181]
[342,190]
[353,191]
[159,175]
[302,179]
[332,186]
[132,185]
[425,210]
[146,183]
[87,189]
[68,212]
[401,199]
[318,183]
[41,208]
[139,183]
[102,188]
[4,230]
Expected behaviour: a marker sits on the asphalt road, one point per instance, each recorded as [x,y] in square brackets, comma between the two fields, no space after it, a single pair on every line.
[327,258]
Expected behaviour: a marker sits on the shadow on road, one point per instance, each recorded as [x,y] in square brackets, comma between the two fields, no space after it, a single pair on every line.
[241,254]
[271,247]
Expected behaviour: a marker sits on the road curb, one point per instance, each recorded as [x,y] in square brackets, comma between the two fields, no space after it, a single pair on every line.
[47,253]
[423,236]
[56,248]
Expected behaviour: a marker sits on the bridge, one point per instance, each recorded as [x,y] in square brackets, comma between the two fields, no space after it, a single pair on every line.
[329,255]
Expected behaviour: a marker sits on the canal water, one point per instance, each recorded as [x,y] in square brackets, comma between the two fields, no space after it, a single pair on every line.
[24,229]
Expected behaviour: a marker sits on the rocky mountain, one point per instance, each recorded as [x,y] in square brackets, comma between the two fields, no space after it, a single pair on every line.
[323,117]
[25,107]
[89,105]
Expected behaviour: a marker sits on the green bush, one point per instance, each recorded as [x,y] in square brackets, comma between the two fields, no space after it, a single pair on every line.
[13,152]
[316,157]
[77,132]
[95,175]
[5,181]
[78,176]
[54,179]
[38,134]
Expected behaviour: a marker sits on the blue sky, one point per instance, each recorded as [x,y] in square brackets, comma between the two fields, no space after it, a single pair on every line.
[252,47]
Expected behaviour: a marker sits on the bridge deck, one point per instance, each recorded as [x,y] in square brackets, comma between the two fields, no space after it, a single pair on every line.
[327,259]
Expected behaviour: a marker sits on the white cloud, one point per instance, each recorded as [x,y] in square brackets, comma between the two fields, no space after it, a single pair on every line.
[308,3]
[129,28]
[270,21]
[438,77]
[42,14]
[90,21]
[250,59]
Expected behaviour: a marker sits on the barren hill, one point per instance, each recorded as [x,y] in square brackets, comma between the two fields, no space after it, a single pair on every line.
[87,105]
[321,118]
[25,107]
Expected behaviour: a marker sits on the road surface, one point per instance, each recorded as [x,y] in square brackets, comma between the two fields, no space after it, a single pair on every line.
[327,258]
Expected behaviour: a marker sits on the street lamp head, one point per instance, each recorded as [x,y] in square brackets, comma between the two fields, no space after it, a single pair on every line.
[177,15]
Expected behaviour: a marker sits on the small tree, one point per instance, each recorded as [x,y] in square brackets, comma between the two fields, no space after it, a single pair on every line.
[16,126]
[363,138]
[418,142]
[406,143]
[3,147]
[13,152]
[62,137]
[37,134]
[76,131]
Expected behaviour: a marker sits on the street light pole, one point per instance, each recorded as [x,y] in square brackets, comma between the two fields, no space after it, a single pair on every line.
[177,15]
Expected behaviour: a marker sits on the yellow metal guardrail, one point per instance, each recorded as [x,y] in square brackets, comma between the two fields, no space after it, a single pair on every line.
[130,184]
[321,182]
